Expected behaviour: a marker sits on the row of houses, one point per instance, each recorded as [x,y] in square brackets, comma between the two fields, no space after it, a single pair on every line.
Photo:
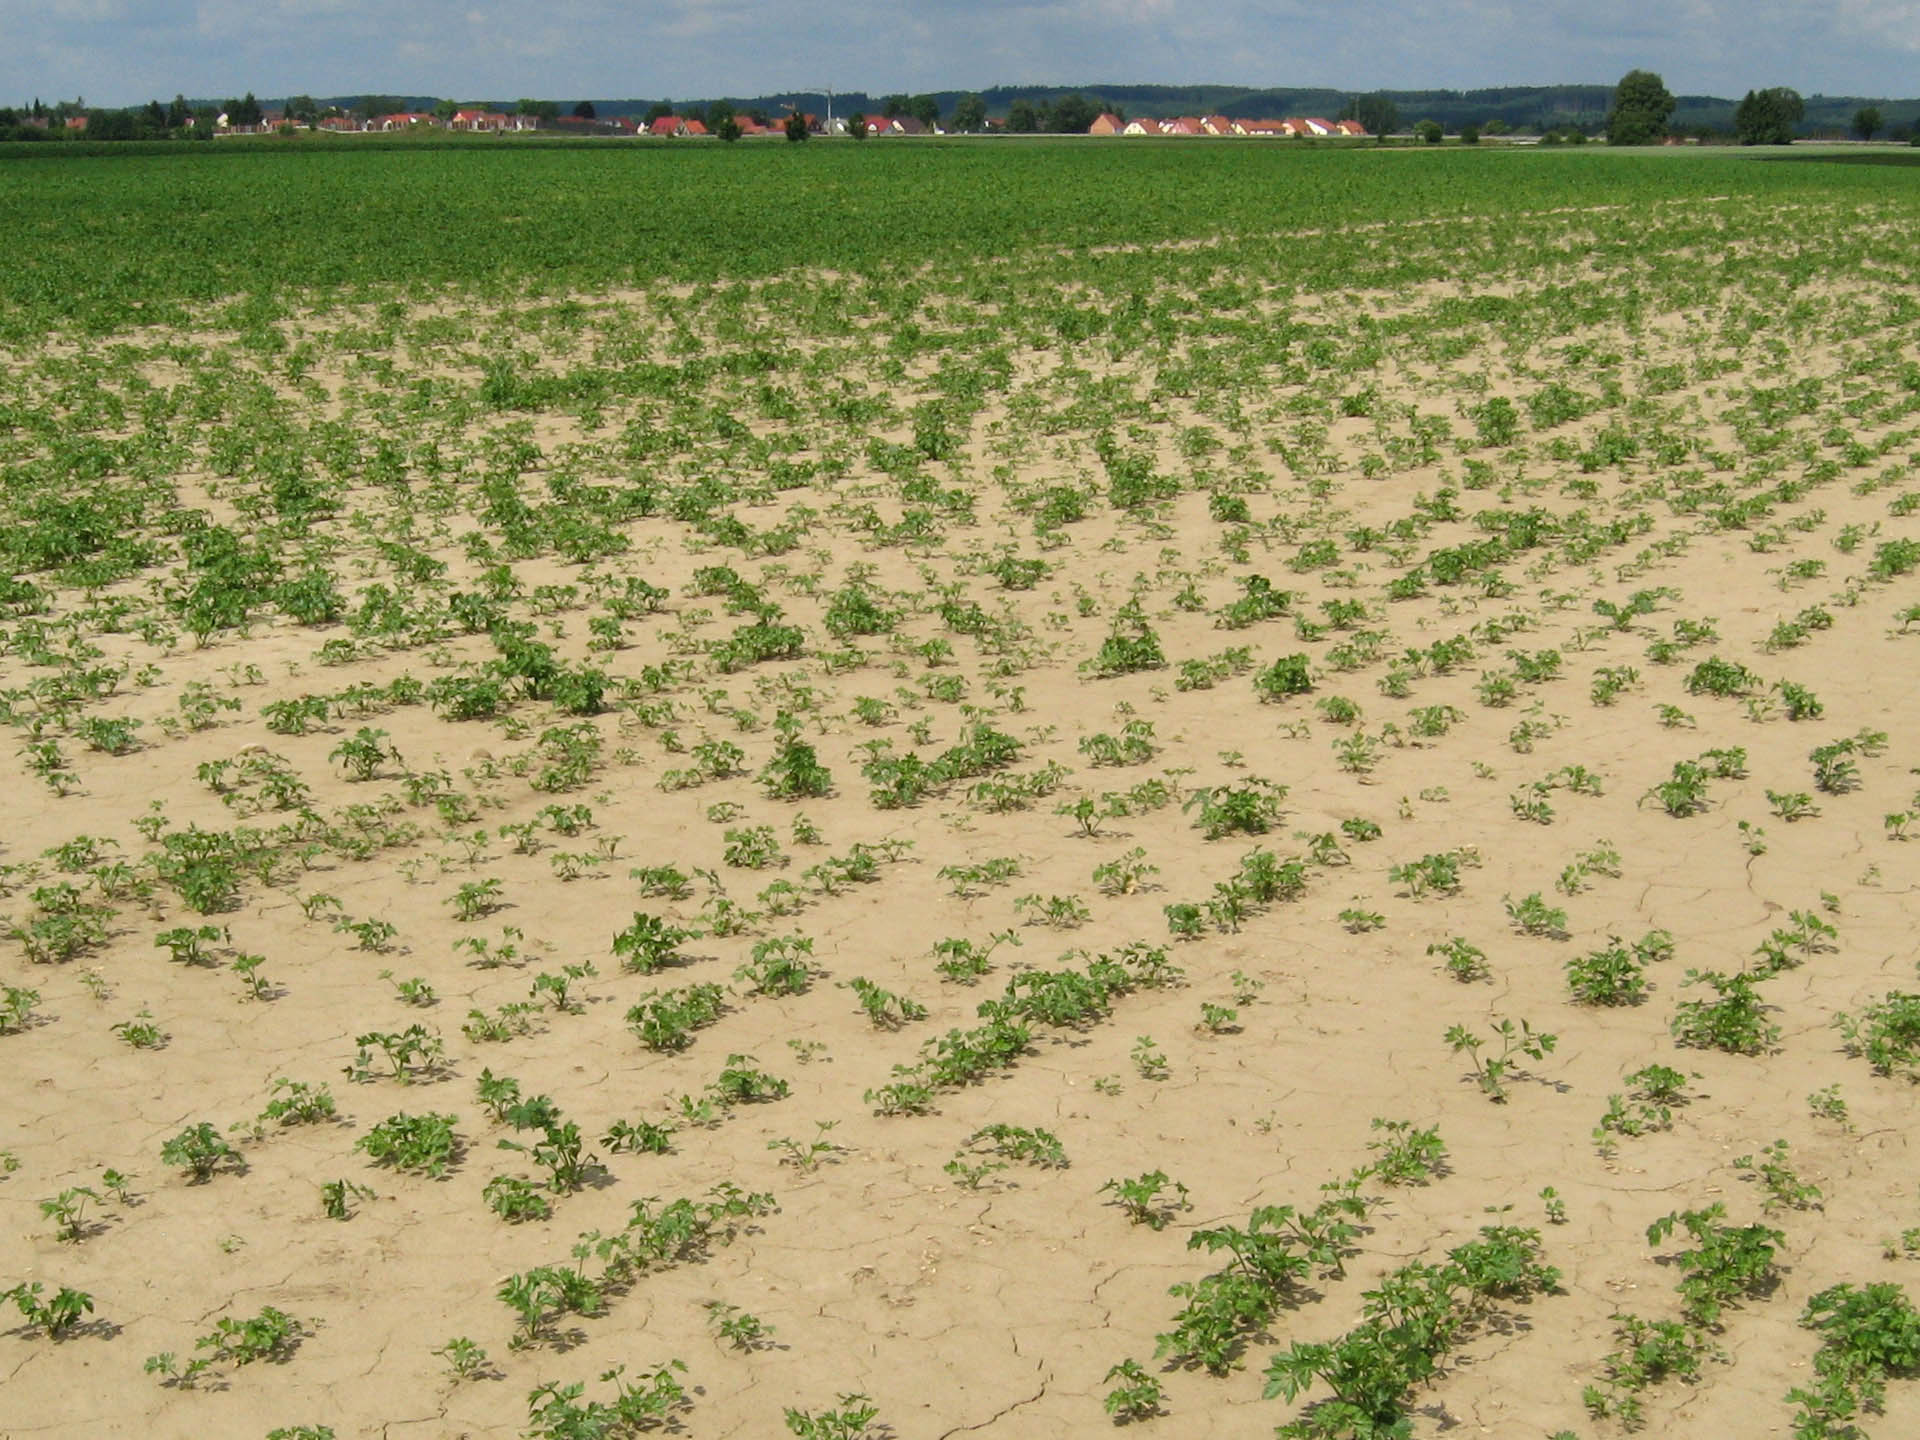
[1307,127]
[691,127]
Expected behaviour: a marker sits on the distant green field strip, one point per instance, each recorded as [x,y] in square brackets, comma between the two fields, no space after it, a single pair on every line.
[100,241]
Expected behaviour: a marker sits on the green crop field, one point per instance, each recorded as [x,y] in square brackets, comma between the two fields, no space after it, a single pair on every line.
[101,240]
[945,788]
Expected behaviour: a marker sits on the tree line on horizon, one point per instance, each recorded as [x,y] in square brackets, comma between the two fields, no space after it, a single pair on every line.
[1774,115]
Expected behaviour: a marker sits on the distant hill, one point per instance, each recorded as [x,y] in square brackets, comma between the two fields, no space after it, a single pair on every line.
[1521,107]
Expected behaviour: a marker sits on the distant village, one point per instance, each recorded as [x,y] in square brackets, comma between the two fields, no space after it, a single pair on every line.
[695,127]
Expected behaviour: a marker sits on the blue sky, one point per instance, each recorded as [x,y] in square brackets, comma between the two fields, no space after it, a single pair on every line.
[116,52]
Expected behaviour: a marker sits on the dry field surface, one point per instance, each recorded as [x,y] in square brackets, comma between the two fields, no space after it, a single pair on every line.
[976,855]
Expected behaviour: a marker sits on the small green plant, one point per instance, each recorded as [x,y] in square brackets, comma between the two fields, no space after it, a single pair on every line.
[1464,960]
[514,1199]
[200,1151]
[1531,915]
[638,1137]
[1556,1207]
[296,1102]
[57,1314]
[966,960]
[425,1144]
[1886,1033]
[1726,1263]
[68,1211]
[338,1197]
[1139,1396]
[476,899]
[1868,1335]
[1406,1154]
[1151,1199]
[1360,922]
[465,1359]
[1734,1021]
[362,754]
[1613,975]
[1490,1072]
[738,1328]
[808,1154]
[1784,1189]
[1148,1060]
[1251,806]
[742,1082]
[852,1421]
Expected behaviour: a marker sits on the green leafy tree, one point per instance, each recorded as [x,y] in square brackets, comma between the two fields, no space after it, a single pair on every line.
[1073,114]
[728,130]
[718,113]
[585,111]
[1429,132]
[857,127]
[1641,105]
[926,110]
[970,115]
[243,112]
[178,113]
[1376,112]
[1469,134]
[444,110]
[1868,121]
[796,127]
[1023,118]
[659,110]
[1767,117]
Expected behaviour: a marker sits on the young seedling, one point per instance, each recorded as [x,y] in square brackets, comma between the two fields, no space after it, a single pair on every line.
[338,1197]
[1785,1190]
[1531,915]
[852,1421]
[465,1359]
[808,1155]
[1138,1397]
[1464,960]
[1151,1199]
[68,1211]
[1490,1072]
[54,1316]
[738,1328]
[1148,1060]
[1407,1156]
[200,1151]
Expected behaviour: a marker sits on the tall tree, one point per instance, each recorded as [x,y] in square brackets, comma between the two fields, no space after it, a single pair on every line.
[925,109]
[970,115]
[1867,121]
[795,127]
[1073,114]
[1641,105]
[1022,118]
[585,111]
[1767,117]
[1376,112]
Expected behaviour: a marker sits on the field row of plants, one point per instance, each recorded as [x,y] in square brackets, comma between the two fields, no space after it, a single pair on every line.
[1312,826]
